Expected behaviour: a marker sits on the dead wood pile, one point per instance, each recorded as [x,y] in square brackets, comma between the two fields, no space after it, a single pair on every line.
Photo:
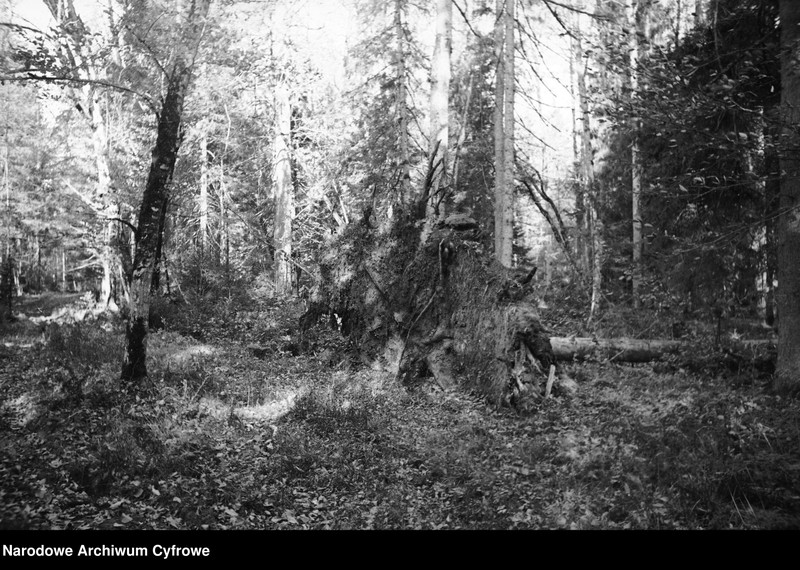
[428,300]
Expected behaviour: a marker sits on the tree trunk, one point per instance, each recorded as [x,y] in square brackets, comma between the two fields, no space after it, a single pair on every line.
[499,163]
[503,140]
[699,14]
[155,284]
[156,195]
[627,349]
[584,215]
[598,256]
[772,197]
[224,231]
[440,95]
[508,135]
[579,96]
[636,21]
[157,190]
[594,192]
[203,198]
[284,194]
[592,255]
[788,295]
[401,103]
[101,201]
[462,137]
[756,167]
[620,349]
[91,101]
[63,269]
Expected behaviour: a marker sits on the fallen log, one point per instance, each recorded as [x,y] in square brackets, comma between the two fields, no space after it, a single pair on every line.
[631,349]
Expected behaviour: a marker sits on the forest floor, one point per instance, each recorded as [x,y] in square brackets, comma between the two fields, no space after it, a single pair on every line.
[220,438]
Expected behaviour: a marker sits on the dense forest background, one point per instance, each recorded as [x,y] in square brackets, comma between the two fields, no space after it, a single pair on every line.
[504,199]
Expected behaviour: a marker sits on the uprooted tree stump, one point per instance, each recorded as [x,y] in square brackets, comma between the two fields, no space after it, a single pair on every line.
[428,301]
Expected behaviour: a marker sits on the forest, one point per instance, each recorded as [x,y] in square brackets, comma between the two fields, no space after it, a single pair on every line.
[399,264]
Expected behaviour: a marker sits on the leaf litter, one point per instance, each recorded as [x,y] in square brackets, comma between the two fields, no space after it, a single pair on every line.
[222,439]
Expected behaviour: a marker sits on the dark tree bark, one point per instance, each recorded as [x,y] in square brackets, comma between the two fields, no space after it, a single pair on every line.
[155,285]
[155,197]
[788,297]
[433,306]
[157,193]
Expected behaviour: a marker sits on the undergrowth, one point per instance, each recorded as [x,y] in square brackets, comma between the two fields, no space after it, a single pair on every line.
[220,438]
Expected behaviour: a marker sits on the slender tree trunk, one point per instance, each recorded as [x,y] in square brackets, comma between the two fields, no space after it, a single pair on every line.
[102,199]
[284,193]
[499,104]
[157,192]
[582,212]
[598,255]
[504,133]
[636,21]
[7,188]
[508,135]
[224,235]
[574,68]
[574,62]
[64,270]
[440,96]
[594,196]
[755,166]
[772,198]
[401,103]
[92,101]
[106,262]
[699,14]
[588,222]
[110,257]
[37,262]
[462,136]
[203,198]
[787,372]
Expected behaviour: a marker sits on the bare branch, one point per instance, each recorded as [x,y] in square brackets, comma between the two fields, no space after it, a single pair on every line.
[133,228]
[35,75]
[558,19]
[22,27]
[464,15]
[575,9]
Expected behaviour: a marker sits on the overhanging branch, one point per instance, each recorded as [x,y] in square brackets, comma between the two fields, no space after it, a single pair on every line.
[35,75]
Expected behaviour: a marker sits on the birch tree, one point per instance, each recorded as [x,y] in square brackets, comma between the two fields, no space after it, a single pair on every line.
[77,55]
[636,20]
[188,25]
